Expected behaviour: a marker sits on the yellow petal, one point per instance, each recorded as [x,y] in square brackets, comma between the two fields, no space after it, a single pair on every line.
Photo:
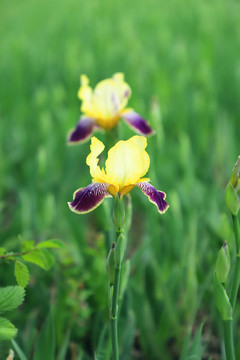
[97,148]
[141,142]
[85,94]
[127,162]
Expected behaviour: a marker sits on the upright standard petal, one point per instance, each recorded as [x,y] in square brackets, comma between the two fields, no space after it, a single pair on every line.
[127,162]
[82,131]
[155,196]
[88,198]
[135,121]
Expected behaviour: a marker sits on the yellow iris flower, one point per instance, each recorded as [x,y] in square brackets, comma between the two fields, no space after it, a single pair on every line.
[104,106]
[125,167]
[106,102]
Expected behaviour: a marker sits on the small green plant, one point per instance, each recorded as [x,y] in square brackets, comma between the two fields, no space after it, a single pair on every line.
[12,296]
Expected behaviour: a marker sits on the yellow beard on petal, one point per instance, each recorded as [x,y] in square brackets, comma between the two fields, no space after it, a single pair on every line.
[108,123]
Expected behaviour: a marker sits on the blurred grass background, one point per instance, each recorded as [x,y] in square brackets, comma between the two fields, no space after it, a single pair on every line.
[182,63]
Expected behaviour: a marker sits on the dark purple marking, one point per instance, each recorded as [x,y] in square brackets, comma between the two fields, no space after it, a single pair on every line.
[137,123]
[88,198]
[155,196]
[82,131]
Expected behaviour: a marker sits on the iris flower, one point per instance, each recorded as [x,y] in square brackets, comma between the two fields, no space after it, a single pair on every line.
[125,167]
[104,106]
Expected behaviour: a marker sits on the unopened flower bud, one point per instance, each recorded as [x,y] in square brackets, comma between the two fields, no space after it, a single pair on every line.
[223,263]
[232,192]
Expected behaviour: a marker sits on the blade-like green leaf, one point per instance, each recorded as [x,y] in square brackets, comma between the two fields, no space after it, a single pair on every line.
[41,258]
[195,353]
[11,297]
[7,330]
[18,350]
[45,348]
[54,243]
[63,351]
[21,273]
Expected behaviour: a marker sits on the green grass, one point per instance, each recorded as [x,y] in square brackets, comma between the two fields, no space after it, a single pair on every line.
[181,55]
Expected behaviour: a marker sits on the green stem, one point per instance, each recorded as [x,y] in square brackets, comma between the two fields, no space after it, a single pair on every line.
[236,277]
[228,340]
[114,310]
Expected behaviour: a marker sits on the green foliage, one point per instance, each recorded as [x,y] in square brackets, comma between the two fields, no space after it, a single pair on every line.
[21,273]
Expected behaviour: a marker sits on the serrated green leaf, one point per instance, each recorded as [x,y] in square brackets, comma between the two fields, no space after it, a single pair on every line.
[2,251]
[7,330]
[45,348]
[222,299]
[18,350]
[28,245]
[11,297]
[48,244]
[21,273]
[40,257]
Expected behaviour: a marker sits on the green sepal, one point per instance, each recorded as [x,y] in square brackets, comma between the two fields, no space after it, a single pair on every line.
[223,263]
[222,300]
[120,250]
[232,199]
[111,264]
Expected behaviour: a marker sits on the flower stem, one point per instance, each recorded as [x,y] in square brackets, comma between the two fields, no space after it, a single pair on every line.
[228,340]
[114,310]
[236,278]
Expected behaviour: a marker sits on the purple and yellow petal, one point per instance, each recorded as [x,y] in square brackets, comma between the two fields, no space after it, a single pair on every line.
[137,122]
[82,131]
[88,198]
[155,196]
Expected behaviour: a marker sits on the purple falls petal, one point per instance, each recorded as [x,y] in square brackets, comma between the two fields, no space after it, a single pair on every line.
[138,123]
[88,198]
[82,131]
[155,196]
